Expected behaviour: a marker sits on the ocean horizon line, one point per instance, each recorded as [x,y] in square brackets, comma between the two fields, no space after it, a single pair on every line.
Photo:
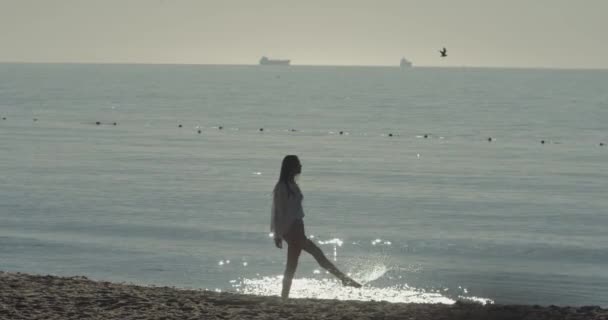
[379,66]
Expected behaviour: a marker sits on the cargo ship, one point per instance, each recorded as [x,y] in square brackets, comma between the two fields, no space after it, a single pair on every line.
[405,63]
[273,62]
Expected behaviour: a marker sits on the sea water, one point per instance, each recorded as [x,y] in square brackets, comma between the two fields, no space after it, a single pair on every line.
[425,184]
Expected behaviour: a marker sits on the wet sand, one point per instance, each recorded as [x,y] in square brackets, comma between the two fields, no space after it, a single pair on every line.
[24,296]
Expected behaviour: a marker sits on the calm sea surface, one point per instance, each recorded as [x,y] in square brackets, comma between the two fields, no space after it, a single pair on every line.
[436,219]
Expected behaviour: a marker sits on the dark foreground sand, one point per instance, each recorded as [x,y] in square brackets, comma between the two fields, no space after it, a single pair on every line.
[24,296]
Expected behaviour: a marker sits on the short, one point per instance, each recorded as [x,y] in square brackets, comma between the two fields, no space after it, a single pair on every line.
[296,235]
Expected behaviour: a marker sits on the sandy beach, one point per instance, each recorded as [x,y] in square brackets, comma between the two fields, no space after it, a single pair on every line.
[24,296]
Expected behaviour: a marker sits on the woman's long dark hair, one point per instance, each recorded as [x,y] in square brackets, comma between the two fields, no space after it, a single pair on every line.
[289,171]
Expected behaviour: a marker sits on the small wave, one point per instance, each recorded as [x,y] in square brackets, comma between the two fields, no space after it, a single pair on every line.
[476,299]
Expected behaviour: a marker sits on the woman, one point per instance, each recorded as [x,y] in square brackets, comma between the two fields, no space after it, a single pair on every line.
[286,223]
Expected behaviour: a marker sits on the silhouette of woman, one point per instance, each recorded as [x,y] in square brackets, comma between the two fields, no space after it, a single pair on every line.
[287,224]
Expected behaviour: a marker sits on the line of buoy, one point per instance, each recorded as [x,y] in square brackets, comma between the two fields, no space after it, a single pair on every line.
[96,122]
[390,134]
[219,128]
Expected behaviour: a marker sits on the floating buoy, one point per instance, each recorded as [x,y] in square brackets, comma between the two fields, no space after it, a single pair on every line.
[114,123]
[199,131]
[97,123]
[220,127]
[542,141]
[390,134]
[179,126]
[426,136]
[489,139]
[261,129]
[341,132]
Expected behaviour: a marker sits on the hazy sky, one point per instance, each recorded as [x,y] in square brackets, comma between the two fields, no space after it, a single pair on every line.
[509,33]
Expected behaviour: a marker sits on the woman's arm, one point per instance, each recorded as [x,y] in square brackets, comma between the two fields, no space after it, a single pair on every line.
[279,205]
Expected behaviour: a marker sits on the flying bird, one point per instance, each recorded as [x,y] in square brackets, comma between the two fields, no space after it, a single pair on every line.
[444,52]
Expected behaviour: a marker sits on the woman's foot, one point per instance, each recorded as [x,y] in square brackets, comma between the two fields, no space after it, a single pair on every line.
[348,282]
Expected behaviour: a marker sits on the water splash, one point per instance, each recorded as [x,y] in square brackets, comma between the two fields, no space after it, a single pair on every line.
[370,268]
[370,274]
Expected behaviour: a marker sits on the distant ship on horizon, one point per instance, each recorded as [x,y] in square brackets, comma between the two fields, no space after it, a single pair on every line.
[274,62]
[405,63]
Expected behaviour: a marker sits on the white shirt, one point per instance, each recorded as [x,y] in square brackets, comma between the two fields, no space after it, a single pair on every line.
[286,207]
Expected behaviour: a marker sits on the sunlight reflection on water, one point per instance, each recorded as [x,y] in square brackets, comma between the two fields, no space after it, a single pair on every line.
[331,289]
[366,271]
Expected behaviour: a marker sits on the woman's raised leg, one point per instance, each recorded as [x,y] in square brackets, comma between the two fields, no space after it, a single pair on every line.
[317,253]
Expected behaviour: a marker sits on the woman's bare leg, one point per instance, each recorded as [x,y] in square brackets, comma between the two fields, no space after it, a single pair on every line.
[293,253]
[317,253]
